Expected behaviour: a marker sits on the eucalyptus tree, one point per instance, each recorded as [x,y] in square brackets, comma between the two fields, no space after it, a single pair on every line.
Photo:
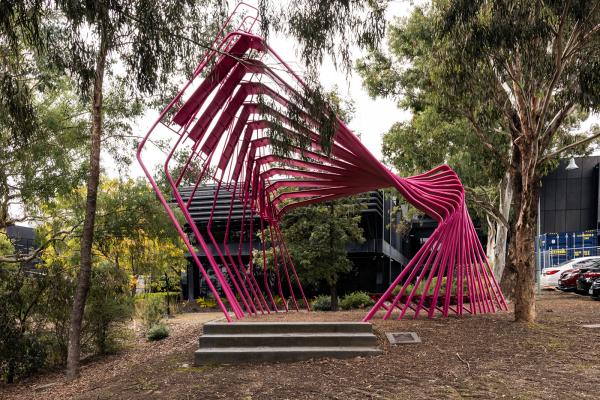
[148,42]
[521,75]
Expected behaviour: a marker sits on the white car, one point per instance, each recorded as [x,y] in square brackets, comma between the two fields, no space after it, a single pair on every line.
[550,275]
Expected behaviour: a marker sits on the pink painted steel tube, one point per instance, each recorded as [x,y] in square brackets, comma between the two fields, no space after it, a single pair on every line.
[225,126]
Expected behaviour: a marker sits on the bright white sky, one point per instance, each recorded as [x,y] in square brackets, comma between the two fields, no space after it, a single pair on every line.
[373,117]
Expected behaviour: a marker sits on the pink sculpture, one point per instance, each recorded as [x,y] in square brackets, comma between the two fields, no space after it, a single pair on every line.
[221,119]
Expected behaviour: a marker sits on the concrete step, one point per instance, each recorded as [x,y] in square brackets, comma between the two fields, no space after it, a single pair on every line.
[322,339]
[224,328]
[205,356]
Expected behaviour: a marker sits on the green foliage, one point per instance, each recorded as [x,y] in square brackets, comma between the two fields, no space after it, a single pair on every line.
[317,237]
[206,302]
[51,161]
[356,300]
[431,290]
[420,71]
[328,27]
[20,344]
[108,304]
[494,87]
[158,331]
[132,231]
[150,309]
[17,95]
[23,354]
[278,301]
[299,302]
[321,303]
[34,319]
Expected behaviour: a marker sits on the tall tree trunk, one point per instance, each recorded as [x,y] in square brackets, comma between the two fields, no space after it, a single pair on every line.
[334,296]
[87,237]
[509,274]
[491,239]
[500,246]
[526,187]
[333,283]
[10,371]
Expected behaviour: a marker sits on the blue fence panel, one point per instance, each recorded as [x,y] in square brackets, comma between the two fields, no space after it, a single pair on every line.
[559,247]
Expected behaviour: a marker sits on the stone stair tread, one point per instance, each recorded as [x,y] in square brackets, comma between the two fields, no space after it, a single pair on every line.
[299,349]
[285,327]
[290,334]
[289,323]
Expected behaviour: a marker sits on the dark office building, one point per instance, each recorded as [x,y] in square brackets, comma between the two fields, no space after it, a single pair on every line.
[22,237]
[569,198]
[569,212]
[376,261]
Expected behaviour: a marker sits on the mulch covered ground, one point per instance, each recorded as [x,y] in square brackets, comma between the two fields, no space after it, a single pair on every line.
[471,357]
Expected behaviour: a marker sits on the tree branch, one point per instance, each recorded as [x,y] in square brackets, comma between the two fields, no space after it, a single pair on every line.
[570,146]
[57,237]
[484,141]
[490,210]
[557,120]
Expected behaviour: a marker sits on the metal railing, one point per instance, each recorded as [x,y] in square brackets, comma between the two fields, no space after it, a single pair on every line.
[554,257]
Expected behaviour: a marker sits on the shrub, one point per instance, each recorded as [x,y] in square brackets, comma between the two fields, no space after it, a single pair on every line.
[158,332]
[299,301]
[108,303]
[150,309]
[171,301]
[322,303]
[24,342]
[356,300]
[431,289]
[277,300]
[22,353]
[206,302]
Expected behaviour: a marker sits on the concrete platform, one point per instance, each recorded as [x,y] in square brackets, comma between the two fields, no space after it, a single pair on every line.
[244,342]
[288,339]
[285,327]
[277,354]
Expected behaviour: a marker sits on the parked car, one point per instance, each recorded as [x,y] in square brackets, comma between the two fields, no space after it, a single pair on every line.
[568,279]
[595,290]
[584,283]
[550,275]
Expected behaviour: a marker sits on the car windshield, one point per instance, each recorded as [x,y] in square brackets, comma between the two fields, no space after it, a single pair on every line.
[562,264]
[595,263]
[586,263]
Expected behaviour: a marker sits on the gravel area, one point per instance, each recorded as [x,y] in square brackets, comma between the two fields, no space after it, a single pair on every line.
[484,356]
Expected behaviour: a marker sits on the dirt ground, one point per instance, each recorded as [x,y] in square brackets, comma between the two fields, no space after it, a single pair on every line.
[485,357]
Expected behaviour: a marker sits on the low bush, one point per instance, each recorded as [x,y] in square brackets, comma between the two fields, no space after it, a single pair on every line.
[278,301]
[356,300]
[209,303]
[171,301]
[322,303]
[108,304]
[35,309]
[431,289]
[299,301]
[158,332]
[150,310]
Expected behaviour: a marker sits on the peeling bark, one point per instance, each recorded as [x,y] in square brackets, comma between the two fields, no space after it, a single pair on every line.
[501,233]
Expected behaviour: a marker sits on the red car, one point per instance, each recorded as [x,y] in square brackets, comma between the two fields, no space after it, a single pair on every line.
[568,279]
[584,283]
